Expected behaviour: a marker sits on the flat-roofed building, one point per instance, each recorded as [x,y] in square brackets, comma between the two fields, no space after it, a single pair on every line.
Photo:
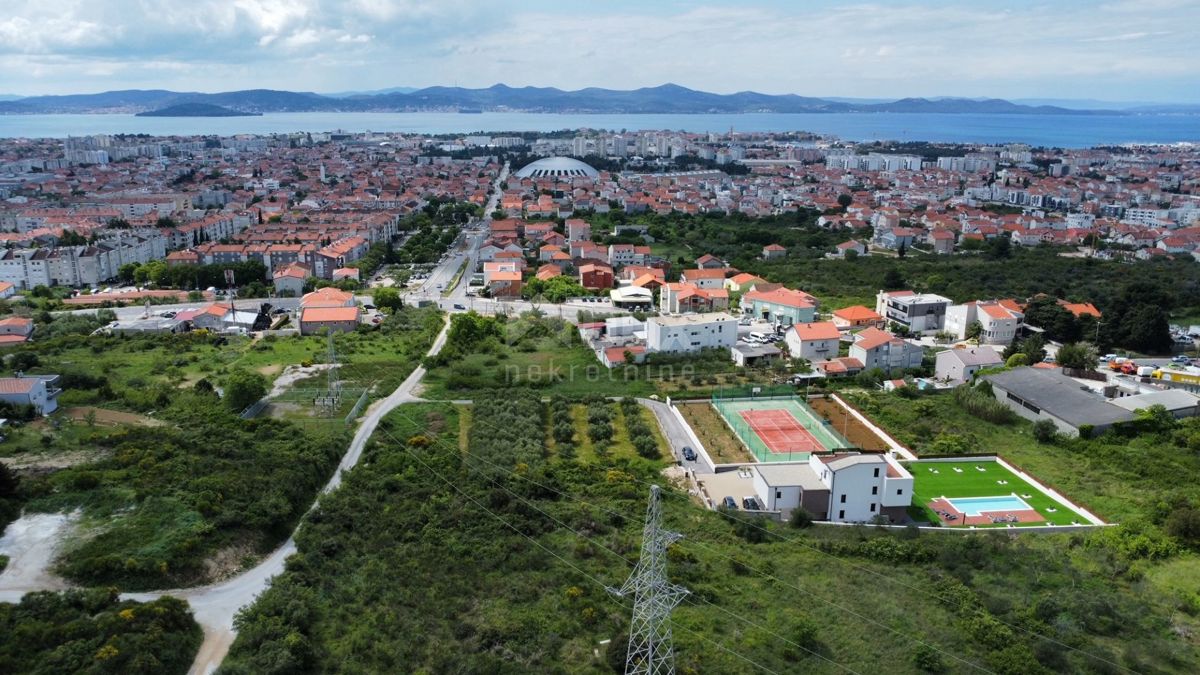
[690,332]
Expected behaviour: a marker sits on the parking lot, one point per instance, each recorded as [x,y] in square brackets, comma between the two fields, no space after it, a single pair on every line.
[748,333]
[736,484]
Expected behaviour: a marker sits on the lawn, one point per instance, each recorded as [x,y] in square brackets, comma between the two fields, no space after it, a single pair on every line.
[1118,479]
[971,482]
[544,354]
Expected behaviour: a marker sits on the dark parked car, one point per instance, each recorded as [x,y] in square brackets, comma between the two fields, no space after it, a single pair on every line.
[689,454]
[458,306]
[751,504]
[729,503]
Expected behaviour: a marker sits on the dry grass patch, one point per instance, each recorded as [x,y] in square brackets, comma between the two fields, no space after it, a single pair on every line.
[718,439]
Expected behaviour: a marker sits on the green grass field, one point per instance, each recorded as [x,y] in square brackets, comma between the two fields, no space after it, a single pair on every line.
[947,482]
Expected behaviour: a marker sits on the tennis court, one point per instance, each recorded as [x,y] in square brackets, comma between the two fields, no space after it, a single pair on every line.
[779,429]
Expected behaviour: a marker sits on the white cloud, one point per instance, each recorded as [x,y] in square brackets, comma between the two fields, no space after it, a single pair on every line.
[922,47]
[1125,37]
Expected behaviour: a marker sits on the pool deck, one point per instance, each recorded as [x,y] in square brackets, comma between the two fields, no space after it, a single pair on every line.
[944,509]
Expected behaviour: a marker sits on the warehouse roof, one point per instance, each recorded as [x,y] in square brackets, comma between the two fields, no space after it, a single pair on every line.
[1058,395]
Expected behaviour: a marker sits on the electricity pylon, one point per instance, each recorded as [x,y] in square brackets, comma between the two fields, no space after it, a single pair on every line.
[650,649]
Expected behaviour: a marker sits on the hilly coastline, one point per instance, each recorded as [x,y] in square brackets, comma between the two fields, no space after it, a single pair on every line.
[664,99]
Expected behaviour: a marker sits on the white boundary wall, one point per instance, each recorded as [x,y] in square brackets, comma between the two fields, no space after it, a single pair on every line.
[691,434]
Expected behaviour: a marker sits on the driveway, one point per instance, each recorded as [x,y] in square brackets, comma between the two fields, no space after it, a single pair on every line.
[678,437]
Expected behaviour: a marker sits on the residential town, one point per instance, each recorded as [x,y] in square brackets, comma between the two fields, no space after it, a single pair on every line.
[781,319]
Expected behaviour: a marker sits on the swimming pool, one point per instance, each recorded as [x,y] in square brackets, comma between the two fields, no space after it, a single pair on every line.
[974,506]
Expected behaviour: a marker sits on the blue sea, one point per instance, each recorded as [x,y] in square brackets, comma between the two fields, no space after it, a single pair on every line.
[1067,131]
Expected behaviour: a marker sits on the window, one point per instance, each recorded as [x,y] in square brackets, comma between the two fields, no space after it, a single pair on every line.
[877,473]
[874,489]
[779,494]
[900,491]
[841,515]
[872,508]
[843,499]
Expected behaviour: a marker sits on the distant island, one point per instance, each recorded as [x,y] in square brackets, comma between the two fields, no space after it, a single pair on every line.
[664,99]
[197,110]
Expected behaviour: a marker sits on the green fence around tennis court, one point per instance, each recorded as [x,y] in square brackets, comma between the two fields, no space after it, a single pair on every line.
[756,391]
[730,410]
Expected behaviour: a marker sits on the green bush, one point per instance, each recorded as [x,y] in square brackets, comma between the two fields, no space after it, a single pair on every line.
[1045,431]
[91,631]
[800,518]
[983,406]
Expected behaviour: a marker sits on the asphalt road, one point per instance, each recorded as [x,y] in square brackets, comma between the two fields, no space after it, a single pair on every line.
[677,437]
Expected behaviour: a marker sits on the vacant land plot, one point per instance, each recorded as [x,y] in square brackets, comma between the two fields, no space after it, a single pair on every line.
[846,424]
[107,417]
[718,439]
[959,489]
[141,373]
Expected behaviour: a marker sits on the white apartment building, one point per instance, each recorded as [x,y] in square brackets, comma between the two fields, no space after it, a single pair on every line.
[690,332]
[1146,217]
[77,265]
[999,324]
[921,313]
[876,348]
[813,341]
[862,487]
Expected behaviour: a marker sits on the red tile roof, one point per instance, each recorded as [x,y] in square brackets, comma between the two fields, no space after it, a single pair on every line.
[821,330]
[328,314]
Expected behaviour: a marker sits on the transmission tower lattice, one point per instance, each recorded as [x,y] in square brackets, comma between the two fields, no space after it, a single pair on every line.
[650,649]
[331,398]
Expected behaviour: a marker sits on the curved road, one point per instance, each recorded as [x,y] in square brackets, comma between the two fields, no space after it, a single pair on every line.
[214,606]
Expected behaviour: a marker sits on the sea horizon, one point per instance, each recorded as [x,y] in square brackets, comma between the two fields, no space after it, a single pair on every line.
[1065,131]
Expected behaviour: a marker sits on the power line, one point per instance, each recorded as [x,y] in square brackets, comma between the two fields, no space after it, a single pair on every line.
[765,575]
[650,650]
[608,549]
[723,648]
[934,593]
[730,558]
[853,565]
[748,621]
[514,528]
[862,568]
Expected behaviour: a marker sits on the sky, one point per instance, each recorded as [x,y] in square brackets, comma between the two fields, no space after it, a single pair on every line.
[1120,50]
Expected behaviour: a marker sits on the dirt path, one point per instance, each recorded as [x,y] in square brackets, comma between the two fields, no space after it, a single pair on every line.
[31,542]
[214,606]
[41,461]
[293,374]
[111,417]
